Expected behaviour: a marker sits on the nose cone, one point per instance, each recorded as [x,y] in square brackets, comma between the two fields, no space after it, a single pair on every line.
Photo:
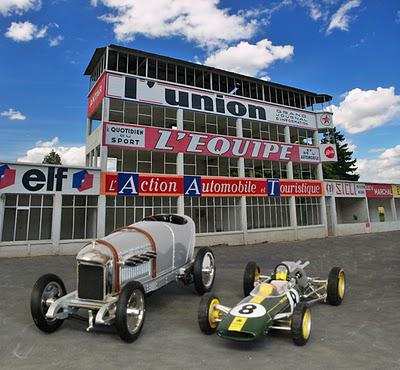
[94,253]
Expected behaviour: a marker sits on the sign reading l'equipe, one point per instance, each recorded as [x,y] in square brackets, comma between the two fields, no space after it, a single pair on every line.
[179,141]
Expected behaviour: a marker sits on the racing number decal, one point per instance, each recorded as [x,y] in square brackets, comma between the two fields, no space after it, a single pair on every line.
[293,297]
[248,310]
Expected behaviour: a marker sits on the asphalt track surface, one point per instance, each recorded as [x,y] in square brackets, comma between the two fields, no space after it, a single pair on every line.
[362,333]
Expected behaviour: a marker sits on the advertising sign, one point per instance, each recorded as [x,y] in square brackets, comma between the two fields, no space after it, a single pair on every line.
[378,190]
[324,120]
[396,191]
[345,189]
[24,178]
[167,140]
[133,184]
[328,152]
[306,188]
[96,95]
[170,95]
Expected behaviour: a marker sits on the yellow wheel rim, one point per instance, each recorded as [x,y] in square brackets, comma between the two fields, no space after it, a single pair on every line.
[306,327]
[341,285]
[213,314]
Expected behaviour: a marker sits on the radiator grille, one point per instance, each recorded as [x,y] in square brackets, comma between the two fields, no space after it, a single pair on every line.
[90,282]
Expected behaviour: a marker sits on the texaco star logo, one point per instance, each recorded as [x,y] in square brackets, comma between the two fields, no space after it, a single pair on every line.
[325,120]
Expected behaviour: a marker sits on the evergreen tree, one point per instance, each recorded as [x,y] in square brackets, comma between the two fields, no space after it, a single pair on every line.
[52,158]
[345,168]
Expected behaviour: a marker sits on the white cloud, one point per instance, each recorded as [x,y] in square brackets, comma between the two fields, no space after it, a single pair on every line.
[13,115]
[55,41]
[202,22]
[384,168]
[397,19]
[70,155]
[25,31]
[376,150]
[350,145]
[249,59]
[9,7]
[362,110]
[341,19]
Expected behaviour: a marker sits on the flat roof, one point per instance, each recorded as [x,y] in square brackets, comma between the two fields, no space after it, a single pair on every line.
[321,98]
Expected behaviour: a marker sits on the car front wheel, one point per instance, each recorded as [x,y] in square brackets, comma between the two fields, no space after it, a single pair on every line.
[47,289]
[301,324]
[336,286]
[130,314]
[204,270]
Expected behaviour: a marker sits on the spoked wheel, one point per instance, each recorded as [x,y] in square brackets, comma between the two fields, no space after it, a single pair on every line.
[251,275]
[208,314]
[130,312]
[336,286]
[204,270]
[46,290]
[301,324]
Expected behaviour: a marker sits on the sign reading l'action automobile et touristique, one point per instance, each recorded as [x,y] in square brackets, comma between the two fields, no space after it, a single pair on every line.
[171,95]
[133,184]
[167,140]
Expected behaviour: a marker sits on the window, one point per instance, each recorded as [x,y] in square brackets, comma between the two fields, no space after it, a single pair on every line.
[305,171]
[190,76]
[171,71]
[301,136]
[265,169]
[122,62]
[78,217]
[308,211]
[161,70]
[112,60]
[267,212]
[122,211]
[210,166]
[151,68]
[180,70]
[27,217]
[214,214]
[141,66]
[132,64]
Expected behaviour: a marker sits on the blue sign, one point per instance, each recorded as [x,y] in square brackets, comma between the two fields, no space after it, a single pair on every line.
[192,186]
[128,184]
[273,188]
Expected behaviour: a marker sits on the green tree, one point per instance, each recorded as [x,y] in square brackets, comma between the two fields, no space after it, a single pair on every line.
[52,158]
[345,168]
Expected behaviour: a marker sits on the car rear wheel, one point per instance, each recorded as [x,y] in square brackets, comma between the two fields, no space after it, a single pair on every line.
[251,275]
[336,286]
[130,314]
[301,324]
[47,289]
[208,315]
[204,270]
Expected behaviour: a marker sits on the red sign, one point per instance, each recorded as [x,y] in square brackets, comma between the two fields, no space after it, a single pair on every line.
[232,187]
[96,95]
[131,184]
[378,190]
[330,152]
[167,140]
[304,188]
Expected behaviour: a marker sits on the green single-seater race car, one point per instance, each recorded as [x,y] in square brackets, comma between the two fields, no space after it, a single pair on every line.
[278,301]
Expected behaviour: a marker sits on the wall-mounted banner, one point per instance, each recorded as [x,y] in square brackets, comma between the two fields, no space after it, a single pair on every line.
[378,190]
[396,191]
[24,179]
[167,140]
[301,188]
[324,120]
[96,95]
[342,189]
[170,95]
[328,152]
[132,184]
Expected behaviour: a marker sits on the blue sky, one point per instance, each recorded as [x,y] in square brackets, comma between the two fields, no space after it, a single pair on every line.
[348,49]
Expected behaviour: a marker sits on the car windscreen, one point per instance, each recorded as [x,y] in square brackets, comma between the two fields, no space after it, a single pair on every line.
[273,289]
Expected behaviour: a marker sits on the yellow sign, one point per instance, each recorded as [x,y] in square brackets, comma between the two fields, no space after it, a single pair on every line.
[396,191]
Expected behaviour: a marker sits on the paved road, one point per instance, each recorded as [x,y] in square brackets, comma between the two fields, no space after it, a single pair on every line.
[362,333]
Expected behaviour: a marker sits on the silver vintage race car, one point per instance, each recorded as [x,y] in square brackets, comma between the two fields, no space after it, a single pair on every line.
[114,274]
